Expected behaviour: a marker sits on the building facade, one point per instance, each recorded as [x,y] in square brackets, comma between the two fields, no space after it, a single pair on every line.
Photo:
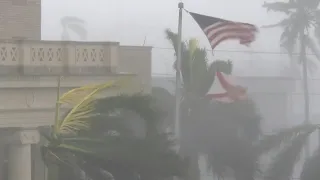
[20,19]
[29,70]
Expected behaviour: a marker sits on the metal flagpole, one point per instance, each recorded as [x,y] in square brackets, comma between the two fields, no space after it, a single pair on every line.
[178,76]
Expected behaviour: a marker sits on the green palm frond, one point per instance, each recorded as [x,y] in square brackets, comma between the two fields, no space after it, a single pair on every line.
[173,38]
[141,105]
[283,164]
[283,137]
[151,155]
[82,101]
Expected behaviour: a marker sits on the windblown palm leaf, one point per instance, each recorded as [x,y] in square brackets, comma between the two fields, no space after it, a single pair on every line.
[288,145]
[301,18]
[284,136]
[283,164]
[83,100]
[77,144]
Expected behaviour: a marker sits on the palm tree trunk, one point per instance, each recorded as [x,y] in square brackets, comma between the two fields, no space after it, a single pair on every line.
[303,59]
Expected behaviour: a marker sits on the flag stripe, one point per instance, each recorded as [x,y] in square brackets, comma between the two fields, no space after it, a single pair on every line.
[226,28]
[218,30]
[243,38]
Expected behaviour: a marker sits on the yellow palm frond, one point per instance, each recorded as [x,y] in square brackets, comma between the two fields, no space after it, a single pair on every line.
[74,96]
[83,101]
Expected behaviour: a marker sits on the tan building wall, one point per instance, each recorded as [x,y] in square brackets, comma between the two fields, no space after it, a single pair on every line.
[28,80]
[136,60]
[20,18]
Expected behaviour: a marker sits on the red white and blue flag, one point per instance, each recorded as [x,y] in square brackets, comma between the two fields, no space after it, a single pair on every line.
[218,30]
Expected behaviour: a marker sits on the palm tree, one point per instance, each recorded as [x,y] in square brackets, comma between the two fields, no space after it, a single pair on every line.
[74,24]
[205,126]
[302,17]
[79,146]
[287,145]
[197,76]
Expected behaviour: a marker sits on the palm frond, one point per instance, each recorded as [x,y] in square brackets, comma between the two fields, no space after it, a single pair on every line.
[282,23]
[284,136]
[288,38]
[313,47]
[151,155]
[141,105]
[284,7]
[201,77]
[311,167]
[283,164]
[173,38]
[75,96]
[83,100]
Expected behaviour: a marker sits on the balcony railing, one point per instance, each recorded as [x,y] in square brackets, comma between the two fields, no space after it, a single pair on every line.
[28,57]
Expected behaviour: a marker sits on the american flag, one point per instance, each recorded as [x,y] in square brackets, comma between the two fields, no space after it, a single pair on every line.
[218,30]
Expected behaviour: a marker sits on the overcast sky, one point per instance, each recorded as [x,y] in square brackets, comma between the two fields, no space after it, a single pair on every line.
[130,21]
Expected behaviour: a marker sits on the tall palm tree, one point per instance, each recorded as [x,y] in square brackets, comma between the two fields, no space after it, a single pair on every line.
[205,126]
[303,16]
[74,24]
[197,77]
[287,145]
[95,138]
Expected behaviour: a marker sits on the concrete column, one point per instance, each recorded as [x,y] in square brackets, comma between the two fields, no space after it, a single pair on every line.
[19,159]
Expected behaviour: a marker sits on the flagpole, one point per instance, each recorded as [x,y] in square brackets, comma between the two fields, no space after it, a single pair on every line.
[178,76]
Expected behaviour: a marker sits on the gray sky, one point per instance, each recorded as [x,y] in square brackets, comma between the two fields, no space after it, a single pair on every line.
[130,21]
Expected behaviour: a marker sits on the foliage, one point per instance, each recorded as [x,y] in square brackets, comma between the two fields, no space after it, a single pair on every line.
[197,73]
[232,128]
[95,137]
[288,145]
[223,131]
[302,18]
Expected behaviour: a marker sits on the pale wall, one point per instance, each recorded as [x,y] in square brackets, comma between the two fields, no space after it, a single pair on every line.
[20,18]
